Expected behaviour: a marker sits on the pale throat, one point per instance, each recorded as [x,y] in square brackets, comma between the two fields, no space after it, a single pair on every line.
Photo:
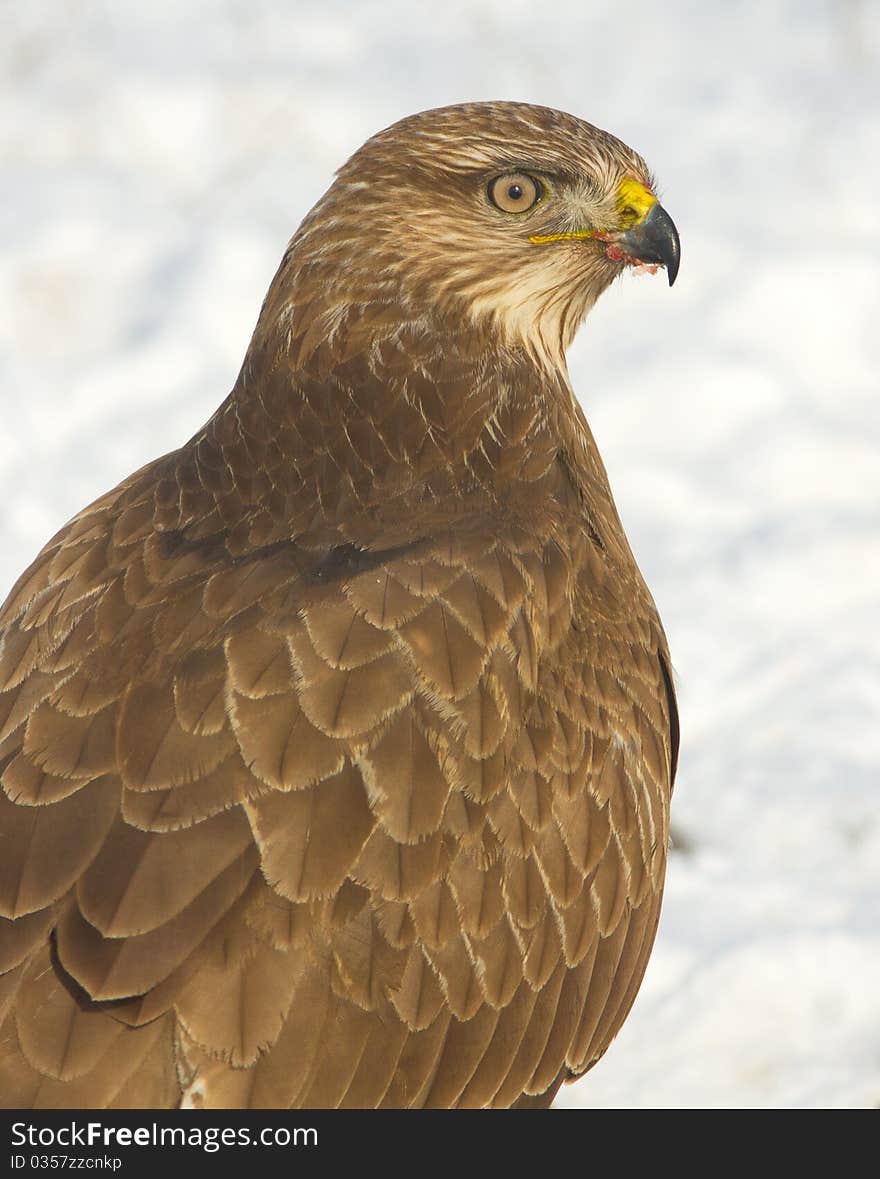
[542,310]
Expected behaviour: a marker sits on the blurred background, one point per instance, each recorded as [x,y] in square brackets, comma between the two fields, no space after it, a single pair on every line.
[154,160]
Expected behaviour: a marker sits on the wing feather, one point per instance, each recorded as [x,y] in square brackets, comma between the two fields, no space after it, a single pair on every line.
[359,826]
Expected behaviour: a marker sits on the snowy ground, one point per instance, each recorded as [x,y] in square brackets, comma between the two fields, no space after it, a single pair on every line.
[154,160]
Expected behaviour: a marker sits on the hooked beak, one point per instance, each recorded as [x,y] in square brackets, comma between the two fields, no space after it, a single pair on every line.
[655,239]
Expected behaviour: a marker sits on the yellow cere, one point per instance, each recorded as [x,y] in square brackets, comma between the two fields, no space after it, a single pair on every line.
[634,201]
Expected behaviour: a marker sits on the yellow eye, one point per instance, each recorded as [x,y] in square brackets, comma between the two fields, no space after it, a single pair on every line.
[515,192]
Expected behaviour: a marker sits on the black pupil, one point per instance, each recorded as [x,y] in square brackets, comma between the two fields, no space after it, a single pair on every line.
[515,192]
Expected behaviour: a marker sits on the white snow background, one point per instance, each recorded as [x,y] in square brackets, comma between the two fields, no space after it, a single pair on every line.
[154,160]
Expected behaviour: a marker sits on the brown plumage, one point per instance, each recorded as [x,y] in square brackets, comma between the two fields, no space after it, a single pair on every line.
[337,746]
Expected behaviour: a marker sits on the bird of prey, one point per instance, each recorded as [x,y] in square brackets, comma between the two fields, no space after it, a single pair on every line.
[337,746]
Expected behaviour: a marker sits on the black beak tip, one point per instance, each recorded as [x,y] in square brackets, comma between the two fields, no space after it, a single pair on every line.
[656,240]
[668,243]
